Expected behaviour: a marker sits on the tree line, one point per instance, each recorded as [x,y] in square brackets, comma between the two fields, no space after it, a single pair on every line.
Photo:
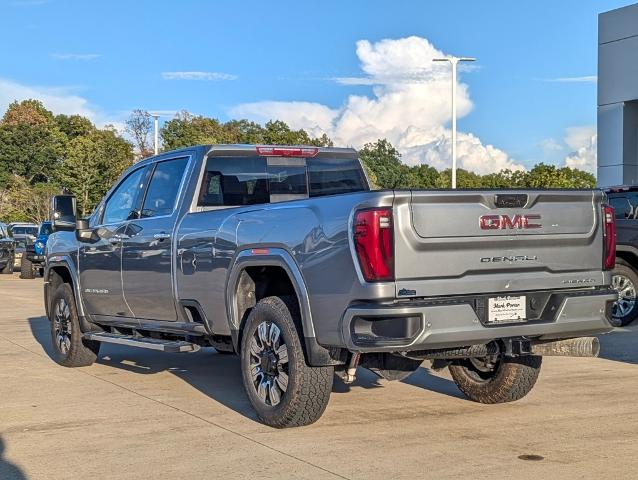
[42,154]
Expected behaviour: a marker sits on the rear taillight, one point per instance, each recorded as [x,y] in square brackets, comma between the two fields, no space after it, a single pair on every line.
[609,253]
[373,242]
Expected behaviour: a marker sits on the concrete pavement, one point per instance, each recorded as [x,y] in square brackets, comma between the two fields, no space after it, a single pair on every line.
[143,414]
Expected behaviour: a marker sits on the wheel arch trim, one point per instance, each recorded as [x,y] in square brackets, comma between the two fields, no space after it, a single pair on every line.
[277,257]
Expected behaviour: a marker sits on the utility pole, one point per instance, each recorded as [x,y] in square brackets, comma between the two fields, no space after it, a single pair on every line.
[156,131]
[454,61]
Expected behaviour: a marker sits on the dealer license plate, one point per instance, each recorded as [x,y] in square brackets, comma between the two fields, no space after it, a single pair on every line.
[506,309]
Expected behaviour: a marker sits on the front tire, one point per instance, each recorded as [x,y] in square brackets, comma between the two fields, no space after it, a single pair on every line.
[26,269]
[496,379]
[625,281]
[283,390]
[70,349]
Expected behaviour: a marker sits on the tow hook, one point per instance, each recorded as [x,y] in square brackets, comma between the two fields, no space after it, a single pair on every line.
[350,374]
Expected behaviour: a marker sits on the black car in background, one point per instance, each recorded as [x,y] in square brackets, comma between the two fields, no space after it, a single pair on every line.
[624,199]
[7,251]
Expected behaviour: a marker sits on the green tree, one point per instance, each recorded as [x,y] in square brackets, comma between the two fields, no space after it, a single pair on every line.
[92,165]
[74,125]
[384,161]
[21,201]
[30,151]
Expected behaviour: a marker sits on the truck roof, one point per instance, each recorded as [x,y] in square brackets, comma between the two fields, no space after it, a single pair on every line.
[244,149]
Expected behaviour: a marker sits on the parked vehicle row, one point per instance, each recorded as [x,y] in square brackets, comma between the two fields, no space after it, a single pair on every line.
[22,248]
[285,256]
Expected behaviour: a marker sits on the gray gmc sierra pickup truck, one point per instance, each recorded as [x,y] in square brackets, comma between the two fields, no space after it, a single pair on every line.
[285,256]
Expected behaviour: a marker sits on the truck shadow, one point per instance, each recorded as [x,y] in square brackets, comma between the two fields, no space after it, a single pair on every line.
[9,471]
[219,376]
[620,345]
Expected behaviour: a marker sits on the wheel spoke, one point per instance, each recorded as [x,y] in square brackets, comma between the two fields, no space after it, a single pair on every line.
[263,333]
[262,389]
[282,354]
[282,380]
[255,349]
[273,392]
[274,334]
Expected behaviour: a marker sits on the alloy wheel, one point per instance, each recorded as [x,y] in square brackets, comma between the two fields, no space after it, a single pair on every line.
[62,326]
[626,296]
[269,363]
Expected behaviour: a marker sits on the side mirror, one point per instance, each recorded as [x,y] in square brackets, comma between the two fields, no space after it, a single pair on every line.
[63,213]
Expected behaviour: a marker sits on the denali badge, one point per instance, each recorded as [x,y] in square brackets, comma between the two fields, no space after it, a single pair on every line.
[510,258]
[502,222]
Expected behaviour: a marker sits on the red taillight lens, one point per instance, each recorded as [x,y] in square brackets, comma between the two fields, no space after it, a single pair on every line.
[373,241]
[609,258]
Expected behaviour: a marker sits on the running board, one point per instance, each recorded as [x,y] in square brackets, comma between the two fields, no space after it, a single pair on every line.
[170,346]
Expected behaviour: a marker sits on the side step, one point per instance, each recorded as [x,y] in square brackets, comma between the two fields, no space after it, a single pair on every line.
[170,346]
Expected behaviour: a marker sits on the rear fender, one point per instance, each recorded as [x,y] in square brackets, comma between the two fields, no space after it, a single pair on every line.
[316,355]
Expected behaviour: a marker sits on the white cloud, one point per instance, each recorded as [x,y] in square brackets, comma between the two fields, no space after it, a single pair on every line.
[76,56]
[583,141]
[583,79]
[58,100]
[208,76]
[409,105]
[549,145]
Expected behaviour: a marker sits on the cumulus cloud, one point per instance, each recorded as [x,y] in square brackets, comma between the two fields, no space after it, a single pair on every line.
[208,76]
[409,105]
[550,145]
[584,142]
[58,100]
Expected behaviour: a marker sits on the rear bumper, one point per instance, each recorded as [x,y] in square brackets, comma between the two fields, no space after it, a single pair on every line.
[457,322]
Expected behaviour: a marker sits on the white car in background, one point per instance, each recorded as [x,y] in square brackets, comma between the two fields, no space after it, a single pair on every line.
[22,233]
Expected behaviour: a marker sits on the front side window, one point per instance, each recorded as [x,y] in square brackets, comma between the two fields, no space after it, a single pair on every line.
[234,181]
[123,202]
[163,188]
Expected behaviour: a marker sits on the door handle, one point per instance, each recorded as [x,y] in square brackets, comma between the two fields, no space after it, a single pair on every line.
[161,236]
[116,239]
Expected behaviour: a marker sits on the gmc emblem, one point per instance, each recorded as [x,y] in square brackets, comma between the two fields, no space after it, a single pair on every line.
[503,222]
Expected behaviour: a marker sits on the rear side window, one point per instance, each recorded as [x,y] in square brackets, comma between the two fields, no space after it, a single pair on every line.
[234,181]
[163,188]
[331,176]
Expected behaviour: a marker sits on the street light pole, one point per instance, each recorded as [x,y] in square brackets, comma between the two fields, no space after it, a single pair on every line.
[156,131]
[454,61]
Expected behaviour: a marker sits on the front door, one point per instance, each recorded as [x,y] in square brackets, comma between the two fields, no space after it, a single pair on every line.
[100,262]
[147,257]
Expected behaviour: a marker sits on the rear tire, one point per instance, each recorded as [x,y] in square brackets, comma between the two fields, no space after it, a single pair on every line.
[8,268]
[70,349]
[625,282]
[500,380]
[283,390]
[26,269]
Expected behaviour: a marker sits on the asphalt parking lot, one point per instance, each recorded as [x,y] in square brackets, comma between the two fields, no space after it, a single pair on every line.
[143,414]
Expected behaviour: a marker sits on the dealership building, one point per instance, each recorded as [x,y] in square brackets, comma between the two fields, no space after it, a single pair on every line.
[618,97]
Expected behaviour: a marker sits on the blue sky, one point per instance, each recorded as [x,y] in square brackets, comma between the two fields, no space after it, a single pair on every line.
[106,58]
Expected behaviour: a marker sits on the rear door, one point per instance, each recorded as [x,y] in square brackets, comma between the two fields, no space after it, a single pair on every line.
[456,242]
[147,256]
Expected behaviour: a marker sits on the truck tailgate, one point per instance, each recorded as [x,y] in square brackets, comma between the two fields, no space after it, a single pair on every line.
[470,242]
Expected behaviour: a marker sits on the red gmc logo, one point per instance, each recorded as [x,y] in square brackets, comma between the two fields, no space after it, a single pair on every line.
[503,222]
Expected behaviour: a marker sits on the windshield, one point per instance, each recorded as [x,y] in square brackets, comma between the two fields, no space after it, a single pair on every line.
[46,229]
[22,230]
